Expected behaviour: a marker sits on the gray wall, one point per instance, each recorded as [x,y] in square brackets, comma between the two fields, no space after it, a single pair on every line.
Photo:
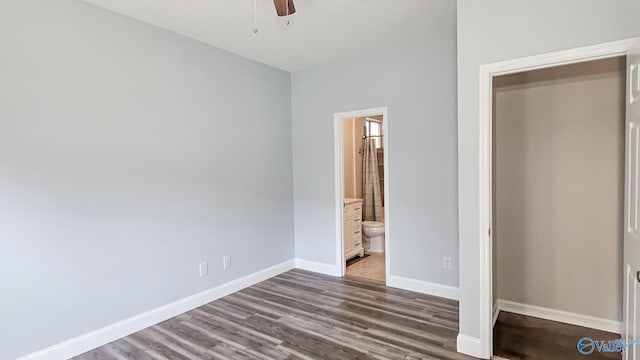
[416,81]
[559,183]
[494,30]
[128,155]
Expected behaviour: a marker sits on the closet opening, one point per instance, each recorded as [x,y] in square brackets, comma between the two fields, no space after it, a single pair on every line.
[557,196]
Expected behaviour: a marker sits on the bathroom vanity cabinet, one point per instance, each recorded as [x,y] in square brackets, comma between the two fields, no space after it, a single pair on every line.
[352,228]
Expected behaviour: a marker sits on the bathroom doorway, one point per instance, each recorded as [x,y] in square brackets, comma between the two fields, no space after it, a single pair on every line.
[362,221]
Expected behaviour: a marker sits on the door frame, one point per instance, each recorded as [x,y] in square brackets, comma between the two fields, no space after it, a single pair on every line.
[339,183]
[487,73]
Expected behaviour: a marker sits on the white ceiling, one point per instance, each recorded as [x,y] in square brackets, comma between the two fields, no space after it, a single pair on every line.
[321,31]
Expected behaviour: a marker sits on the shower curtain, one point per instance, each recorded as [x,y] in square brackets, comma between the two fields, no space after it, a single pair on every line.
[372,207]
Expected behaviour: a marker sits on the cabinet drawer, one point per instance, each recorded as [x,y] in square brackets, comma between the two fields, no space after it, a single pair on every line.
[356,239]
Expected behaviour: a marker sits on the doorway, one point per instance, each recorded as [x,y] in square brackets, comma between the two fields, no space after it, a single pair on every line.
[558,205]
[362,193]
[484,347]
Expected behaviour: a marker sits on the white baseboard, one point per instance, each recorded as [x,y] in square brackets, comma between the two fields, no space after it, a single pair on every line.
[496,312]
[561,316]
[97,338]
[424,287]
[469,346]
[317,267]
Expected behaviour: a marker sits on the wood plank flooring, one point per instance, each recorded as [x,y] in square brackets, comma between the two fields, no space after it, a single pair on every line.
[302,315]
[518,337]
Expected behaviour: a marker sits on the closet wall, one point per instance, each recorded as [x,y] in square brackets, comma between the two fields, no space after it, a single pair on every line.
[558,187]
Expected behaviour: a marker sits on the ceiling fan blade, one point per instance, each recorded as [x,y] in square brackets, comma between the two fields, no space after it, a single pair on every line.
[281,7]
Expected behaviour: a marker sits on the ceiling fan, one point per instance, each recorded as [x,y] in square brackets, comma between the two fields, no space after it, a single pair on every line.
[284,7]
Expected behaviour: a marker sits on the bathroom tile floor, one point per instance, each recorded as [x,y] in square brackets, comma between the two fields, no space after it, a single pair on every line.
[371,267]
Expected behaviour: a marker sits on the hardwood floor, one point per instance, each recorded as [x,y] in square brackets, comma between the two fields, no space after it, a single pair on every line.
[371,267]
[523,337]
[302,315]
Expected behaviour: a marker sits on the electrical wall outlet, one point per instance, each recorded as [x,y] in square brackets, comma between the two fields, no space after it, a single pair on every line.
[204,269]
[446,263]
[226,261]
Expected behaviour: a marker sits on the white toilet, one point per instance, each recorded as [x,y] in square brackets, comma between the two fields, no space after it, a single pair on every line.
[373,232]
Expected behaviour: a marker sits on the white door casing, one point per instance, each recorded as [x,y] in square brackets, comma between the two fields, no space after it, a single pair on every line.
[481,346]
[631,271]
[340,268]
